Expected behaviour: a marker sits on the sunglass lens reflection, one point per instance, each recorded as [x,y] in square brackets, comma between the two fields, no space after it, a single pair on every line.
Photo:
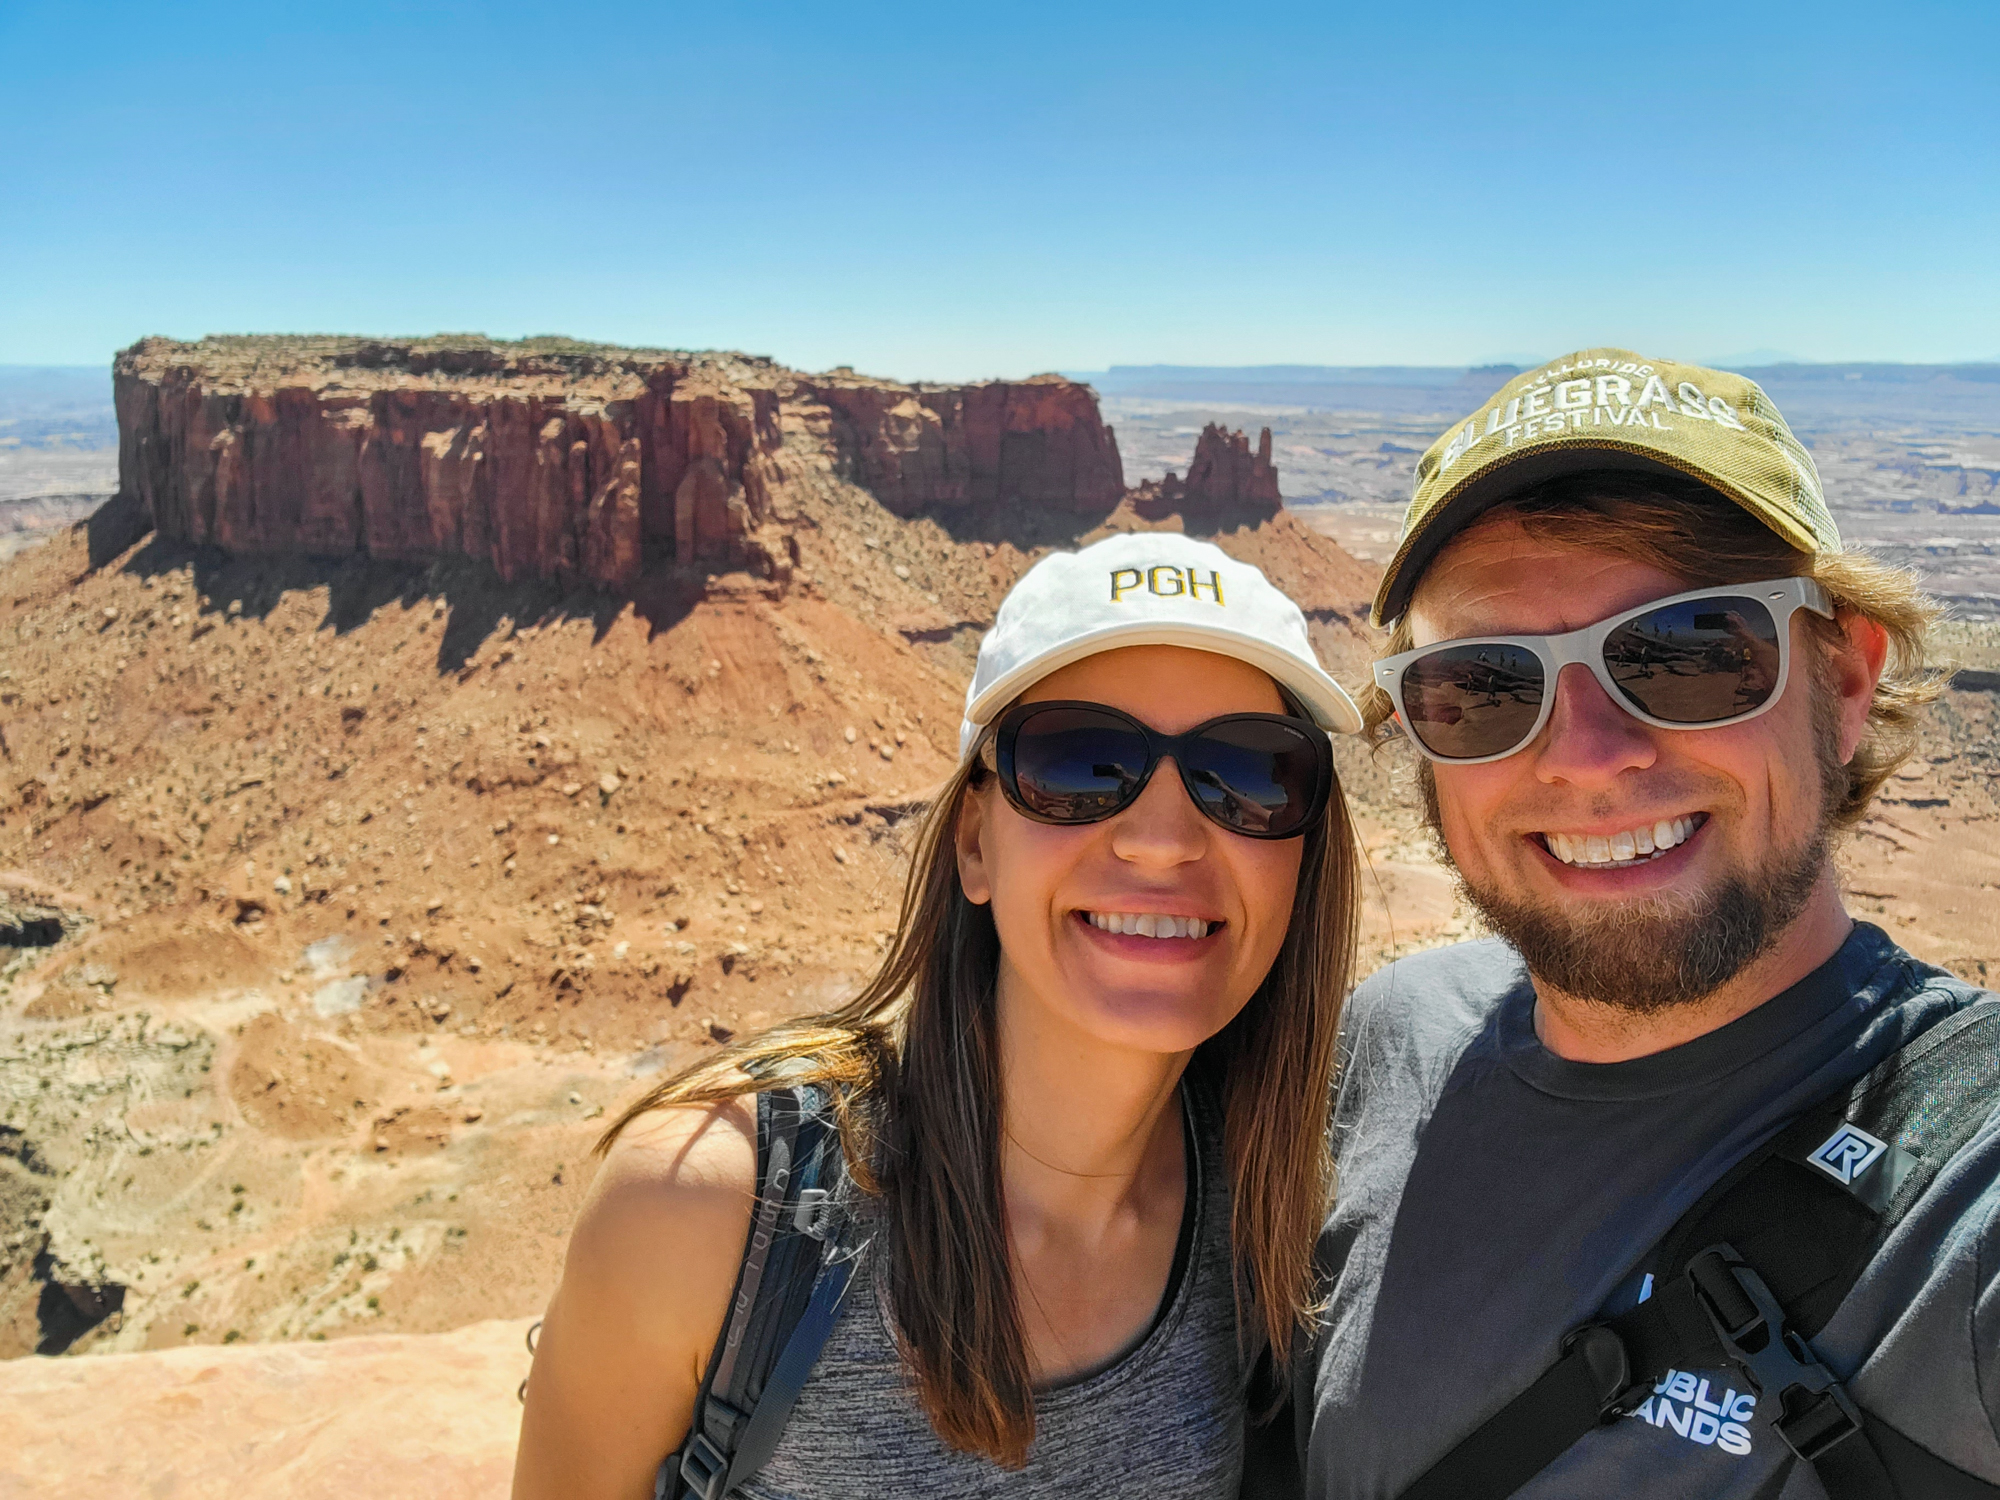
[1253,776]
[1073,765]
[1472,700]
[1697,662]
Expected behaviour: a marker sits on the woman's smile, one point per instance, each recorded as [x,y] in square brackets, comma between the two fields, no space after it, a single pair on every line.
[1151,924]
[1153,937]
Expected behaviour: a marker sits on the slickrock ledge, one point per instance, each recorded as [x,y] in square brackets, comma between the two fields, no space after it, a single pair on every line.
[549,458]
[402,1417]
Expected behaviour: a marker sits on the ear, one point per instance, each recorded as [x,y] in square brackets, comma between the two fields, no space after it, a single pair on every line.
[1857,667]
[969,837]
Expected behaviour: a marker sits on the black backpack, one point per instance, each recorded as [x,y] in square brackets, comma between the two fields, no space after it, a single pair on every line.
[1753,1271]
[788,1292]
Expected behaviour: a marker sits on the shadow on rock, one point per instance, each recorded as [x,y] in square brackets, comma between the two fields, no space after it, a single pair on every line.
[479,601]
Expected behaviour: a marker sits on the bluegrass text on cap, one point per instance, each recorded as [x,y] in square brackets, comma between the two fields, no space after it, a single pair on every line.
[1610,409]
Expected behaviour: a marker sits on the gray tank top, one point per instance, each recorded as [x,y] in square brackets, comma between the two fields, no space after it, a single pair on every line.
[1164,1421]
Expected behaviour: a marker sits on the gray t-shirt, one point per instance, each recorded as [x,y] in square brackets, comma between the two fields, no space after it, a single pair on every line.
[1493,1196]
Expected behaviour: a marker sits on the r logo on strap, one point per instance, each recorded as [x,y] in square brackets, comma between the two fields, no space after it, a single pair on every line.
[1847,1153]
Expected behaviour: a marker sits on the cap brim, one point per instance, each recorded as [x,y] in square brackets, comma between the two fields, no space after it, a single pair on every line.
[1507,477]
[1325,699]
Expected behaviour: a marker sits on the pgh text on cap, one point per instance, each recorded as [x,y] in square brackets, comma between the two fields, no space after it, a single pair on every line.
[1149,588]
[1610,409]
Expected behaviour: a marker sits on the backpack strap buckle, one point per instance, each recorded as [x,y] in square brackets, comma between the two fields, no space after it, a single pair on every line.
[814,1214]
[704,1468]
[1609,1366]
[1814,1412]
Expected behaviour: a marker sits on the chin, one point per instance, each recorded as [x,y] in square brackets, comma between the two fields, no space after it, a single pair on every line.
[1151,1021]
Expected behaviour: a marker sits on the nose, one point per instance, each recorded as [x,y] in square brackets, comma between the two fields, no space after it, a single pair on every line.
[1161,828]
[1589,740]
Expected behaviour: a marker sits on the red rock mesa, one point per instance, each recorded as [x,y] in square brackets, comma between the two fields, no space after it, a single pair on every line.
[549,458]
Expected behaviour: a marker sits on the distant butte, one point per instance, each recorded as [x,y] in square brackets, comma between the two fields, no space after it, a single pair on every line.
[1224,478]
[549,458]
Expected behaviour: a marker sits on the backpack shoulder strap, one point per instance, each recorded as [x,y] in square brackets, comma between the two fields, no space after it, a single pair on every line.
[1754,1269]
[787,1295]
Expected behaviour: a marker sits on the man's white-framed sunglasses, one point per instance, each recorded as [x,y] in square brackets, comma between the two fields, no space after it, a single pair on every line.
[1697,660]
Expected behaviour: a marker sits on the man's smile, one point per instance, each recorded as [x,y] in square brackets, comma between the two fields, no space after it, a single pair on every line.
[1624,848]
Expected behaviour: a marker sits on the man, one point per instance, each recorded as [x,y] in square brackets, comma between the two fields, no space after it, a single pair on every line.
[1647,816]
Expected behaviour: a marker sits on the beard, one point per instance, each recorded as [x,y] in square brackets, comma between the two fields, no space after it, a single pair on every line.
[1670,949]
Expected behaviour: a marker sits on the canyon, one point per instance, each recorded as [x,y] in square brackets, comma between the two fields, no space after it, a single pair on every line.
[434,741]
[364,839]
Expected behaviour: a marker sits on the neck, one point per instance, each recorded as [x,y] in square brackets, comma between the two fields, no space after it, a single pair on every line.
[1591,1031]
[1090,1132]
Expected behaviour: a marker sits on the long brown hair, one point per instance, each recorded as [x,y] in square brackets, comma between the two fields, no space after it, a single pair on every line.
[913,1063]
[1703,538]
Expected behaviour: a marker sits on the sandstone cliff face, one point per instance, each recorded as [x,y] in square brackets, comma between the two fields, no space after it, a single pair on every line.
[1036,442]
[552,459]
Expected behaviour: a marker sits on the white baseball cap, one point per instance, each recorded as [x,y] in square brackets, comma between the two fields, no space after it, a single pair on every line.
[1146,588]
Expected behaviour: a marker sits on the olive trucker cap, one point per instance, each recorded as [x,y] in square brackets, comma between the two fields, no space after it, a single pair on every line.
[1610,409]
[1146,588]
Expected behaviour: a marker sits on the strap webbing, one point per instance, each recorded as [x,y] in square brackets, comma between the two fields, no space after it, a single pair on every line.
[1531,1432]
[788,1290]
[1858,1471]
[788,1377]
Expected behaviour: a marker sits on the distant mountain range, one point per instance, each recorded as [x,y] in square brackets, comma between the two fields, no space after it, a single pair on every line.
[1810,394]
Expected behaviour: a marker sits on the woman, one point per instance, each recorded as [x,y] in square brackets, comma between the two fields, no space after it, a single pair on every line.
[1082,1106]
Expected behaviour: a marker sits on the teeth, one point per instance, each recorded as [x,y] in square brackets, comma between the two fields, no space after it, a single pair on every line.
[1149,924]
[1620,848]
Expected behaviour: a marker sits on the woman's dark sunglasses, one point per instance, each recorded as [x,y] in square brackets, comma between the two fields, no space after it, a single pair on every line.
[1693,661]
[1265,776]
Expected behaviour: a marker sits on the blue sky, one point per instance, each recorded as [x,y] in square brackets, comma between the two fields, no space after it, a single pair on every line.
[953,191]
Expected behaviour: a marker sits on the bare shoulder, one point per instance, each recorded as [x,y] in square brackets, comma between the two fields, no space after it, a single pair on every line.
[645,1285]
[675,1191]
[690,1167]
